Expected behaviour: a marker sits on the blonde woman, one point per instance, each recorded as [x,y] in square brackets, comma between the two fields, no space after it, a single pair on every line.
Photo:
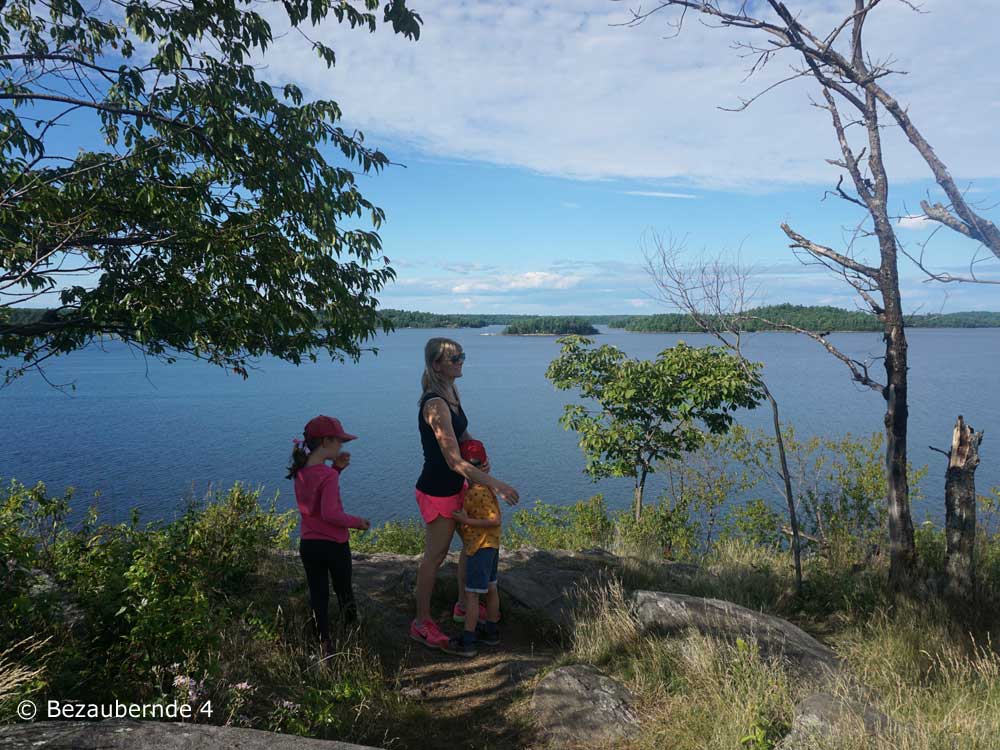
[441,486]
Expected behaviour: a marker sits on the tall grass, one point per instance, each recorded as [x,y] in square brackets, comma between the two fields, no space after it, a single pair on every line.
[694,691]
[938,685]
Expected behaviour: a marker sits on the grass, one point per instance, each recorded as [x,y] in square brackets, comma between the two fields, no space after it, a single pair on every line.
[692,691]
[938,683]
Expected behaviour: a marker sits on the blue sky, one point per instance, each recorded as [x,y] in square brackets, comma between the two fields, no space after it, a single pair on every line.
[544,145]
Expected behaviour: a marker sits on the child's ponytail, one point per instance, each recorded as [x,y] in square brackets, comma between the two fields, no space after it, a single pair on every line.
[300,454]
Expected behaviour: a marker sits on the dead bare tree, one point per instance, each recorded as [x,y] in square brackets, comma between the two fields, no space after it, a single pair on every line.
[851,84]
[714,293]
[960,511]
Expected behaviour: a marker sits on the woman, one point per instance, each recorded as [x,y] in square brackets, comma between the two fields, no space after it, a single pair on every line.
[441,485]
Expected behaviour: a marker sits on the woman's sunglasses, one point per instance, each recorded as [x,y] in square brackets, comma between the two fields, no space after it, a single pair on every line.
[457,358]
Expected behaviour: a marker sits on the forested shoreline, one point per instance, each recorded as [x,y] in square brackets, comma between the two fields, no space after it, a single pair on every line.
[809,318]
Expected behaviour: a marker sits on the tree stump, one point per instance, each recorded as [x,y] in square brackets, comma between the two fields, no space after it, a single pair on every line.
[960,511]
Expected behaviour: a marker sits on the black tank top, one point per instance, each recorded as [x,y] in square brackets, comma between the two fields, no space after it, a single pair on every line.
[437,479]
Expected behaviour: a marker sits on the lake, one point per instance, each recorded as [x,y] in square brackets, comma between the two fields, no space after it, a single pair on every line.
[149,435]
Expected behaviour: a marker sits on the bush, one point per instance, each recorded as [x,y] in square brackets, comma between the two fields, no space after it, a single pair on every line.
[401,537]
[664,531]
[584,525]
[757,523]
[931,545]
[120,601]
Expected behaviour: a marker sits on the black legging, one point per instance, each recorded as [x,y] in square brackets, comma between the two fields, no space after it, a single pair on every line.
[322,558]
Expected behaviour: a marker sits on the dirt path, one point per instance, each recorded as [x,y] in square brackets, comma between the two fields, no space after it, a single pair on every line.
[478,702]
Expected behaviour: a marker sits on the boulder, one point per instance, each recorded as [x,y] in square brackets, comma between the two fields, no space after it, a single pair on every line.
[542,581]
[673,613]
[128,735]
[547,582]
[578,706]
[820,717]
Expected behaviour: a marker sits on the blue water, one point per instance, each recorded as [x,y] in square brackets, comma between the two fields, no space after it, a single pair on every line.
[148,435]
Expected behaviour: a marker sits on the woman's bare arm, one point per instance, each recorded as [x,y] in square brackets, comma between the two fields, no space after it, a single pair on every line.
[438,418]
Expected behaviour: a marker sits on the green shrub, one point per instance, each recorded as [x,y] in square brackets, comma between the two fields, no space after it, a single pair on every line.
[583,525]
[930,543]
[120,601]
[401,537]
[757,523]
[663,531]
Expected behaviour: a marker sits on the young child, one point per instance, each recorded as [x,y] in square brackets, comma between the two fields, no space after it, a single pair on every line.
[480,524]
[324,545]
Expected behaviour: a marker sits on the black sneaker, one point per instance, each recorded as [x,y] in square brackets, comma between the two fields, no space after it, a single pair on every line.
[457,647]
[487,638]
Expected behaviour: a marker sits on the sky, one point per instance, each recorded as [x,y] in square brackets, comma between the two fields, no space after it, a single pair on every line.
[540,148]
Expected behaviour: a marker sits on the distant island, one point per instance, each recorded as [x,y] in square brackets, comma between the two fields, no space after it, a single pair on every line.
[551,326]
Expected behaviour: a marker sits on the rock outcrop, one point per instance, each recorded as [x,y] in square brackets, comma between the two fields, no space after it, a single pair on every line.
[578,706]
[821,717]
[162,735]
[675,613]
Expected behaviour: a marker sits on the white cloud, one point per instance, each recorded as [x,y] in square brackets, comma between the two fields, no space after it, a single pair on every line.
[594,288]
[526,280]
[656,194]
[569,204]
[918,222]
[557,88]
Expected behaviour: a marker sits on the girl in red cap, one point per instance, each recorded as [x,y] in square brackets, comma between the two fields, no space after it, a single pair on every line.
[324,545]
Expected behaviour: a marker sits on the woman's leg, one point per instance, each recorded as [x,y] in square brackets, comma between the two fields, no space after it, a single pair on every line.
[437,540]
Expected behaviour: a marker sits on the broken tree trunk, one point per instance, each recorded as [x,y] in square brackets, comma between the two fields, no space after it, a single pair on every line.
[960,511]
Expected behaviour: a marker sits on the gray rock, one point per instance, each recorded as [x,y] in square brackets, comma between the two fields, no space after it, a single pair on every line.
[547,582]
[129,735]
[580,706]
[542,581]
[820,717]
[672,613]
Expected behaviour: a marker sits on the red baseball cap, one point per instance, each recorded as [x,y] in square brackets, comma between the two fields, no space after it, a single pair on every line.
[473,450]
[322,427]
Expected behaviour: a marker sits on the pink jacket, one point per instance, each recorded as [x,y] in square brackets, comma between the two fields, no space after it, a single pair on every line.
[317,492]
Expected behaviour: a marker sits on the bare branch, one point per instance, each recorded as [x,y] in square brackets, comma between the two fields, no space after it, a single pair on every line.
[820,251]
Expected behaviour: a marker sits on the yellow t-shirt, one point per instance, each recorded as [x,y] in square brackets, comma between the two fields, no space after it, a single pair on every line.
[480,502]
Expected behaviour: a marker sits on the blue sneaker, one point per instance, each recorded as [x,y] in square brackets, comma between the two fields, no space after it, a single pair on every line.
[488,636]
[458,646]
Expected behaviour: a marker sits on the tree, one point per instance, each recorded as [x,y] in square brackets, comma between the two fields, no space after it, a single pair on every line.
[960,511]
[648,410]
[713,293]
[851,85]
[220,218]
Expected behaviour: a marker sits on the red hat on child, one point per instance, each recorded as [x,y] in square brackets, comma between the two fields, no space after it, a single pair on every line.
[473,450]
[322,427]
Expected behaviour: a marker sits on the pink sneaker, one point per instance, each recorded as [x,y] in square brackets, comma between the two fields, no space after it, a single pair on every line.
[458,613]
[429,634]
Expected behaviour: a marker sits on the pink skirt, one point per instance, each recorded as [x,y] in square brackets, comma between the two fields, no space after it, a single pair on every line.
[432,506]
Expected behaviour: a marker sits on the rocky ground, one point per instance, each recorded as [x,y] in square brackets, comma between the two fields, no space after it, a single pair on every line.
[498,699]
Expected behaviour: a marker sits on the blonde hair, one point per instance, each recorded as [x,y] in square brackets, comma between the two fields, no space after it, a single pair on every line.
[434,350]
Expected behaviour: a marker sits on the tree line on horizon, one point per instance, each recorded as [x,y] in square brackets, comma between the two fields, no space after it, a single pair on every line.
[810,318]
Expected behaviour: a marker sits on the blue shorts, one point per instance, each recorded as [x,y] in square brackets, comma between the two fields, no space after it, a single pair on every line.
[481,570]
